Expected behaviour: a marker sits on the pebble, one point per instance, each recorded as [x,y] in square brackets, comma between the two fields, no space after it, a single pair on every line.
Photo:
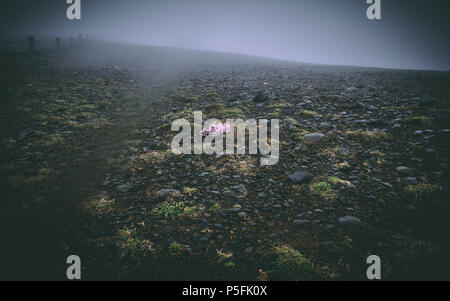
[349,220]
[403,169]
[242,214]
[300,221]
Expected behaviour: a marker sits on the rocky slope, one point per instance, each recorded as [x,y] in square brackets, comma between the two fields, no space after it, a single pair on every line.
[363,167]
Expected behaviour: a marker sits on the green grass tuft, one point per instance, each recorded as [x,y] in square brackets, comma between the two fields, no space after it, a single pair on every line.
[189,211]
[308,114]
[214,208]
[423,190]
[130,244]
[213,108]
[296,265]
[419,121]
[323,189]
[175,248]
[333,180]
[168,208]
[230,265]
[366,136]
[235,113]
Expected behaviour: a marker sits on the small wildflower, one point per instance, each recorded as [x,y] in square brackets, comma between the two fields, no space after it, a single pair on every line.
[214,129]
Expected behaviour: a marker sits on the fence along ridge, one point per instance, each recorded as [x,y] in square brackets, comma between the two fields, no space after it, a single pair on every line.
[32,41]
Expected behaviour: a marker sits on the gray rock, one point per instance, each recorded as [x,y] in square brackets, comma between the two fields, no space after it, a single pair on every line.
[329,226]
[313,138]
[242,214]
[167,193]
[261,97]
[300,177]
[227,193]
[300,221]
[324,125]
[411,180]
[389,185]
[349,220]
[238,191]
[124,188]
[403,169]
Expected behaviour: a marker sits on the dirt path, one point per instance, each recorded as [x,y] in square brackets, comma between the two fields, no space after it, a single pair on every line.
[54,159]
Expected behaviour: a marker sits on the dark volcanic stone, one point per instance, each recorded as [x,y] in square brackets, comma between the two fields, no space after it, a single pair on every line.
[300,177]
[261,97]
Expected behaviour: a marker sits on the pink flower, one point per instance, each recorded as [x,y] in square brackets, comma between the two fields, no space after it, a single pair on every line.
[215,129]
[223,128]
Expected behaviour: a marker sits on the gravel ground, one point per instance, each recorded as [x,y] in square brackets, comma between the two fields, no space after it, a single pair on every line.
[86,168]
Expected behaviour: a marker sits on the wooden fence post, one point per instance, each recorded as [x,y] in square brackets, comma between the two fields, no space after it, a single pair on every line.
[31,43]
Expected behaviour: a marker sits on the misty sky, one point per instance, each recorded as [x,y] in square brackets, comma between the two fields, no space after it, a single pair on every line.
[412,34]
